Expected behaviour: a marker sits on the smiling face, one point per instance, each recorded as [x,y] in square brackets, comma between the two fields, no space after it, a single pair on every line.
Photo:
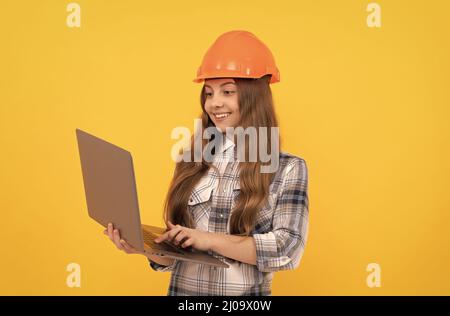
[221,102]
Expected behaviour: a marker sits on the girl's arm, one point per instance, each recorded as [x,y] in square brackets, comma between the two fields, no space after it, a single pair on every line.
[240,248]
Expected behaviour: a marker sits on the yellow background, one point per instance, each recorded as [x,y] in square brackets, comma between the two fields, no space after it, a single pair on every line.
[368,109]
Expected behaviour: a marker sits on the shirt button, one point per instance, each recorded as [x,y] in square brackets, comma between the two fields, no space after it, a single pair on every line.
[221,215]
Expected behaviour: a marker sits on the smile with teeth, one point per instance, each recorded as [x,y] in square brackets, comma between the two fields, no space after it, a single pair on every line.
[221,115]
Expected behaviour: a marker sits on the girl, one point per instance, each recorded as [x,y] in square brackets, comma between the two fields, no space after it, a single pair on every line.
[256,222]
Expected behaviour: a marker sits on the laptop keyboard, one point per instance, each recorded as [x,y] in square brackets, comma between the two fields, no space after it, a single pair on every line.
[149,237]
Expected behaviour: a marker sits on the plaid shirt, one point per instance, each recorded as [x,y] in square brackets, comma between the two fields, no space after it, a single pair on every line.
[280,232]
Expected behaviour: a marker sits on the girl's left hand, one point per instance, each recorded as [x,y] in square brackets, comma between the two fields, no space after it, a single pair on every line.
[180,235]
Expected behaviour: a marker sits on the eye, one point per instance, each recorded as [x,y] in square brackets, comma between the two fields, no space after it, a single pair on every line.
[208,94]
[229,91]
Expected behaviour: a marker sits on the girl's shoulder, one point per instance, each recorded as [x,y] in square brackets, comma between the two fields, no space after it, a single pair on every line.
[288,161]
[291,166]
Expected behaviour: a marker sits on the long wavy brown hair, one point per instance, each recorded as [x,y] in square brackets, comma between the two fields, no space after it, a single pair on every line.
[256,109]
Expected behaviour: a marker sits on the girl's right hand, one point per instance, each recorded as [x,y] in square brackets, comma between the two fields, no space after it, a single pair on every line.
[121,244]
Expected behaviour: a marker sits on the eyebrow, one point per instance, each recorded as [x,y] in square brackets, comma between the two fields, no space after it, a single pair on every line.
[221,84]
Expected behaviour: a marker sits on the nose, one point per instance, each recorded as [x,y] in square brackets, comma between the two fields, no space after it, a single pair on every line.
[217,102]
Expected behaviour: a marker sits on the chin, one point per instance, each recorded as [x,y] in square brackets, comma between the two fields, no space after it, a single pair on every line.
[223,128]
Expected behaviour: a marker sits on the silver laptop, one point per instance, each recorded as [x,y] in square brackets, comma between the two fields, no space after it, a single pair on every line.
[111,197]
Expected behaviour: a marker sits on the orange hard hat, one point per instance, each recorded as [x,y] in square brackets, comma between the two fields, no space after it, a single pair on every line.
[238,54]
